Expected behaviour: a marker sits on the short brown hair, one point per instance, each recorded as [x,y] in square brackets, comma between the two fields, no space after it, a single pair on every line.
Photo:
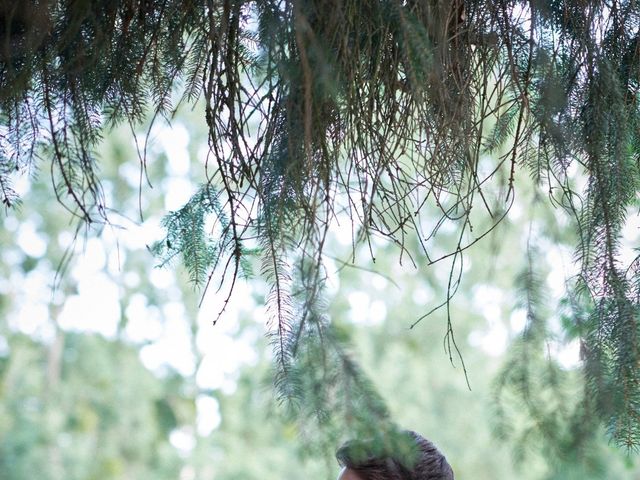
[428,463]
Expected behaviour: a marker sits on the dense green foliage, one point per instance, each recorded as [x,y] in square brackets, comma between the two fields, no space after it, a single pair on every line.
[362,112]
[67,418]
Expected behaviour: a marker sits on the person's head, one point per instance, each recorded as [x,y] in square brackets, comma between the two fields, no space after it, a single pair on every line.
[424,462]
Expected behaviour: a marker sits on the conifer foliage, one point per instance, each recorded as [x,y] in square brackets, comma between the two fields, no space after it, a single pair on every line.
[369,110]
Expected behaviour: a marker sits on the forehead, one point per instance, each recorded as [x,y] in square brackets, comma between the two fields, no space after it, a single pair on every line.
[348,474]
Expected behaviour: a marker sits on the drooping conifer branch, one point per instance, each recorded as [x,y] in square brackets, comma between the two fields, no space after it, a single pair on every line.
[395,106]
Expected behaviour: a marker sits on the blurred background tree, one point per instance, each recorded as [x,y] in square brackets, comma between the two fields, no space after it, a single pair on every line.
[154,390]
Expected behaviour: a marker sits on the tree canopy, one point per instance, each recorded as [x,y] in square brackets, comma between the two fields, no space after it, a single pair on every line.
[363,113]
